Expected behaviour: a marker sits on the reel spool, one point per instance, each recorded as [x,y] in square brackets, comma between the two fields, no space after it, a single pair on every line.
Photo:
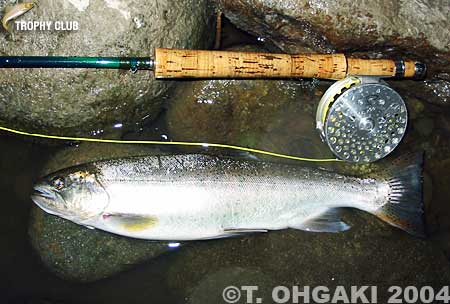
[361,119]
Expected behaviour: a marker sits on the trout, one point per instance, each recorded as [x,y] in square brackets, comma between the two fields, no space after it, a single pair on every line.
[13,12]
[198,197]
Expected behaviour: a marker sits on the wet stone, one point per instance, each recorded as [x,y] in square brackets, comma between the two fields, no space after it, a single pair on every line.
[296,25]
[80,254]
[424,126]
[370,253]
[77,101]
[263,114]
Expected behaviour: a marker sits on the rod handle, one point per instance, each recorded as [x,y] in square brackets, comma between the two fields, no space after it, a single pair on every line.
[178,63]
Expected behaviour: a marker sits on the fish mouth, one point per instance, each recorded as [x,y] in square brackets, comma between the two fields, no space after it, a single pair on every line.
[44,199]
[42,192]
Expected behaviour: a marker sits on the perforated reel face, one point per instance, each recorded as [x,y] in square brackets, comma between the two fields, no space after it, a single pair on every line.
[365,123]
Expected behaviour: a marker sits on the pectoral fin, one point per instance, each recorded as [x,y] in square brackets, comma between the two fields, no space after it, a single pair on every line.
[326,221]
[130,222]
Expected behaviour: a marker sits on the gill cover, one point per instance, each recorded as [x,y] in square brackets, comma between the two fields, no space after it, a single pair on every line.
[76,195]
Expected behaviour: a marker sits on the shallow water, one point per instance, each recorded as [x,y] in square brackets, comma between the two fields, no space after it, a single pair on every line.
[371,253]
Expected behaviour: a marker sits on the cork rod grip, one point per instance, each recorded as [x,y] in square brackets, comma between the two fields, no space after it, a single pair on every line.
[176,63]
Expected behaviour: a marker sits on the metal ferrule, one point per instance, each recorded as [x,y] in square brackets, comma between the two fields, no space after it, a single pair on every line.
[399,69]
[420,70]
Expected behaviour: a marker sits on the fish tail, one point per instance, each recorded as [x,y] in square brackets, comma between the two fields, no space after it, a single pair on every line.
[404,207]
[6,26]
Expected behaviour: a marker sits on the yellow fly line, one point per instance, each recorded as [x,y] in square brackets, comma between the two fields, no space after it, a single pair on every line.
[175,143]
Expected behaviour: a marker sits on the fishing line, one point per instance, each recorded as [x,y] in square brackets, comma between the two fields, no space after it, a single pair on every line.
[174,143]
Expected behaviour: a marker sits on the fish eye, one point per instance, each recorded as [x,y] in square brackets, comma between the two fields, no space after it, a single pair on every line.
[58,182]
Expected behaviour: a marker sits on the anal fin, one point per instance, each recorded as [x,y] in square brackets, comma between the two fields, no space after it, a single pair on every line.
[325,221]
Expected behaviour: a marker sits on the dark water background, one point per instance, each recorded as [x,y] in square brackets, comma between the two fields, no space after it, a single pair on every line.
[371,253]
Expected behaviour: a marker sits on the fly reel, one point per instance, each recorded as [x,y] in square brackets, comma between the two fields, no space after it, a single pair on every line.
[361,119]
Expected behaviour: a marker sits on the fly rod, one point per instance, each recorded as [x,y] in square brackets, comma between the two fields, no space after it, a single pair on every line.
[179,63]
[360,117]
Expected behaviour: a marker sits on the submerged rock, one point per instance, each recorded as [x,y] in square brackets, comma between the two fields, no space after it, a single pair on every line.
[76,101]
[424,126]
[434,90]
[388,28]
[75,252]
[276,115]
[371,253]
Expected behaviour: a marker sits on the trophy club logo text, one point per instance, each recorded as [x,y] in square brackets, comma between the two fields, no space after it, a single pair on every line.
[46,25]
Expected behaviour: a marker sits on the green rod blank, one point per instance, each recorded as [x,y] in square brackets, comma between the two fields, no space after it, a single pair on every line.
[127,63]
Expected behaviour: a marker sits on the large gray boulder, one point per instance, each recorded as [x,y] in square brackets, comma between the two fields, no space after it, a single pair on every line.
[79,100]
[418,29]
[296,25]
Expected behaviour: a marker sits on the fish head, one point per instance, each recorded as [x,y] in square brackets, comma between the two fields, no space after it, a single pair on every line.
[74,194]
[29,5]
[12,12]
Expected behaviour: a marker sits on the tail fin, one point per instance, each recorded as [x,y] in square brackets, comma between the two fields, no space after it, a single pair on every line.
[404,208]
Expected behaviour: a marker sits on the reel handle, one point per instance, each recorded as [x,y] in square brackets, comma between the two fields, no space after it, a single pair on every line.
[179,63]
